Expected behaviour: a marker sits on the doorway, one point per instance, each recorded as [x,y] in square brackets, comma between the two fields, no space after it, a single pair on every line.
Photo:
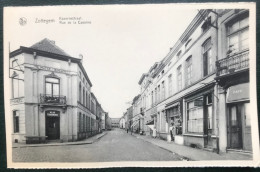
[53,125]
[235,126]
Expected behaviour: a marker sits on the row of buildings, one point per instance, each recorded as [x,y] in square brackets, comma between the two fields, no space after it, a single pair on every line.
[198,94]
[51,97]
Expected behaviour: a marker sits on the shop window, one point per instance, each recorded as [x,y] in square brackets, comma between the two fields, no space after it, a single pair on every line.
[189,70]
[207,57]
[237,34]
[16,121]
[195,116]
[209,110]
[247,115]
[52,86]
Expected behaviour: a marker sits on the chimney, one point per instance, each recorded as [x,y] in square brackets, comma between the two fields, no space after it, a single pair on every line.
[81,57]
[53,42]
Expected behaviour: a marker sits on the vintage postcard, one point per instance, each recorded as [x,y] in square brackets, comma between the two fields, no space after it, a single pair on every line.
[148,85]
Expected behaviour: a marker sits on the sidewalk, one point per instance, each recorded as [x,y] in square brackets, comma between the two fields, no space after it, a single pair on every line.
[188,153]
[89,140]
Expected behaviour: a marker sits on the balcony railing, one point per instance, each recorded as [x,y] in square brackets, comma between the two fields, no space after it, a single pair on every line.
[50,99]
[233,63]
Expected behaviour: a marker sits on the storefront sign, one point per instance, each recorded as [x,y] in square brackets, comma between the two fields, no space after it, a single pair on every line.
[17,101]
[52,69]
[238,93]
[53,113]
[198,102]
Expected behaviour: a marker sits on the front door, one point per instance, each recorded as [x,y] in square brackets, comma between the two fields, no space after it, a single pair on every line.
[235,127]
[52,125]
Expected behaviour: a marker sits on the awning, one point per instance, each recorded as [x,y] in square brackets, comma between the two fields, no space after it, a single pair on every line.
[172,105]
[150,122]
[238,93]
[151,126]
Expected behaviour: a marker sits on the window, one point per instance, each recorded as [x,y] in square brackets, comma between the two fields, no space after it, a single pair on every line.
[158,94]
[80,92]
[163,91]
[84,96]
[16,121]
[207,57]
[237,34]
[179,77]
[52,86]
[79,74]
[170,84]
[209,110]
[17,87]
[206,24]
[187,43]
[195,116]
[178,54]
[152,98]
[189,70]
[14,63]
[155,91]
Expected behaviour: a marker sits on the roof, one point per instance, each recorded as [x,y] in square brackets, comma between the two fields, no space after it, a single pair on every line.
[49,46]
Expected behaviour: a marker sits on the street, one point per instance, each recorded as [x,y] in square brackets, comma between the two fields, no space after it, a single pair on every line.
[116,145]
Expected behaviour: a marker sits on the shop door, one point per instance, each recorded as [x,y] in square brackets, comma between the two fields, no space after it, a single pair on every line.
[52,126]
[209,127]
[235,127]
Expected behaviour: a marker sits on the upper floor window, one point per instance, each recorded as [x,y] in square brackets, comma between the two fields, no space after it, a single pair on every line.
[52,86]
[80,74]
[189,70]
[84,99]
[170,84]
[80,92]
[179,77]
[163,91]
[207,57]
[14,63]
[155,97]
[158,94]
[237,34]
[152,98]
[178,54]
[187,43]
[17,87]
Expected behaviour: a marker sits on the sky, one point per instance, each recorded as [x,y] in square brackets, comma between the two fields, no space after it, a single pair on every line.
[118,43]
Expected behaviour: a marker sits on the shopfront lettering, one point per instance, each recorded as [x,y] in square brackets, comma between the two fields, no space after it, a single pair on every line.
[52,69]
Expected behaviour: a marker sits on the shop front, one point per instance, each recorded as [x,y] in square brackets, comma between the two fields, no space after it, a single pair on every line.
[238,117]
[199,121]
[174,120]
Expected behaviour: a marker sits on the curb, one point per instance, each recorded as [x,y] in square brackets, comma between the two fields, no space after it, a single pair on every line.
[182,158]
[61,144]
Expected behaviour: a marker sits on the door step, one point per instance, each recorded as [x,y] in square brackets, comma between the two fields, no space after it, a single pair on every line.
[239,151]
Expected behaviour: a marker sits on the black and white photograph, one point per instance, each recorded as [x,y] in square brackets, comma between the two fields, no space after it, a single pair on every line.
[147,85]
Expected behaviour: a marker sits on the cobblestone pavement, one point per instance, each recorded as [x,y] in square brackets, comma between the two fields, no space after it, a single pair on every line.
[117,145]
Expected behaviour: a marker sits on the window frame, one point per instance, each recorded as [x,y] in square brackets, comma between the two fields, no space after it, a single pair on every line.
[52,83]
